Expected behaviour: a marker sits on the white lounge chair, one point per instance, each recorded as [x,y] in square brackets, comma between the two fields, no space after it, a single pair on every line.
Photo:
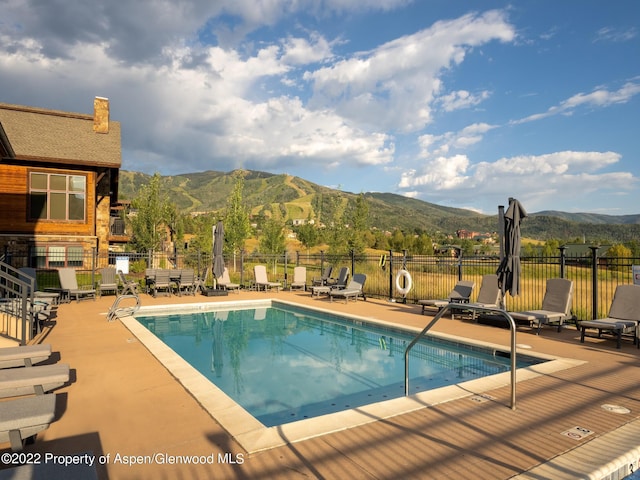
[260,272]
[299,278]
[225,281]
[69,284]
[624,316]
[354,289]
[556,305]
[22,418]
[24,356]
[460,294]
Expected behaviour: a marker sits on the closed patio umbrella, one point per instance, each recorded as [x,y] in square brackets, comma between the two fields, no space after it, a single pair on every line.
[218,259]
[509,269]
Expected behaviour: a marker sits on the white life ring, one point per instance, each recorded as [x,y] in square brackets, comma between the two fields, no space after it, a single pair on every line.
[407,282]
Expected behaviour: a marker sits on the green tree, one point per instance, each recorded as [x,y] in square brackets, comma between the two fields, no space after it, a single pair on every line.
[423,245]
[150,222]
[236,220]
[359,225]
[619,252]
[398,241]
[272,239]
[335,233]
[308,235]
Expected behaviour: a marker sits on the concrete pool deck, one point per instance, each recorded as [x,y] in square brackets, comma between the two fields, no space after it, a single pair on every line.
[124,406]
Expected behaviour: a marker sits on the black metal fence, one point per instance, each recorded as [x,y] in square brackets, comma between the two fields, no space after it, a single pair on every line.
[595,276]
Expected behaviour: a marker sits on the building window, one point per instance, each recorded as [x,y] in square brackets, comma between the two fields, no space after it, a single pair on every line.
[56,256]
[56,196]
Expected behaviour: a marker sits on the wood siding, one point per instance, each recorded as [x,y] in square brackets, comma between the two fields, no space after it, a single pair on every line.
[14,200]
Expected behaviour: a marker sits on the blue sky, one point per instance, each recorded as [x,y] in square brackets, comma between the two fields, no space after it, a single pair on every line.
[459,103]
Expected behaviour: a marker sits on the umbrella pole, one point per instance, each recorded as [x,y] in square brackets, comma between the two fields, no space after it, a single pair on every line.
[501,242]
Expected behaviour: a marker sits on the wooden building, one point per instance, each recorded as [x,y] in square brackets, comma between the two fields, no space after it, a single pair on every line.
[58,183]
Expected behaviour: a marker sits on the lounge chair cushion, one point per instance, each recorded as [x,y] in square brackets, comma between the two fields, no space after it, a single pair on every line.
[24,356]
[24,417]
[30,380]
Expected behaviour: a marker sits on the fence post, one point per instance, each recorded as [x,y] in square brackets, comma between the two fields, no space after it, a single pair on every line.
[390,275]
[563,258]
[297,258]
[242,267]
[594,282]
[321,261]
[353,262]
[285,268]
[94,254]
[459,255]
[404,267]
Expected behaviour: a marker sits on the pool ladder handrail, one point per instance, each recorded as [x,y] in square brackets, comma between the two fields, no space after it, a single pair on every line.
[475,307]
[116,312]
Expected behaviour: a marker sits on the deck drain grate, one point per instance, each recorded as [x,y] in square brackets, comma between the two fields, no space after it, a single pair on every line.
[577,433]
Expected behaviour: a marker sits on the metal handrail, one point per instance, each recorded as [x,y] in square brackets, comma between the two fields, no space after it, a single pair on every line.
[117,312]
[475,307]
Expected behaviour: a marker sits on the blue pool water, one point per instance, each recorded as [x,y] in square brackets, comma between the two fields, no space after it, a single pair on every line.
[286,363]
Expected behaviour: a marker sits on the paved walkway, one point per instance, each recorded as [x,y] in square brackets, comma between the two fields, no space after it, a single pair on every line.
[123,406]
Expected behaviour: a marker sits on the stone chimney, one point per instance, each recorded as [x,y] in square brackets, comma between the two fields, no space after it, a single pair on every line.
[101,115]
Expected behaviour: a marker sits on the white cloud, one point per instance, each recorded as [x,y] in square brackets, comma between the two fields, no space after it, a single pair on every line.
[431,145]
[612,34]
[563,176]
[394,86]
[461,99]
[598,98]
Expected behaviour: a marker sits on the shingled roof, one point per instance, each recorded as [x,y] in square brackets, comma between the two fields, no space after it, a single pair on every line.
[53,136]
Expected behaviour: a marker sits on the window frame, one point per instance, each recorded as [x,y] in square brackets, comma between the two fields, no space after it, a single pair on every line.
[56,255]
[73,197]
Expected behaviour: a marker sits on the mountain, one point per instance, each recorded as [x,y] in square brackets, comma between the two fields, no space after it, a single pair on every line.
[286,197]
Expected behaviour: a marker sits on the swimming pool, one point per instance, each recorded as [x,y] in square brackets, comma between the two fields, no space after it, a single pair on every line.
[284,363]
[252,433]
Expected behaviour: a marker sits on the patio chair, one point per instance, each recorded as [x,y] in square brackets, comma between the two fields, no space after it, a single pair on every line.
[40,295]
[354,289]
[489,295]
[69,284]
[162,282]
[299,278]
[224,282]
[187,282]
[21,419]
[108,281]
[260,272]
[129,287]
[341,281]
[322,280]
[15,382]
[460,294]
[556,305]
[24,356]
[623,319]
[149,277]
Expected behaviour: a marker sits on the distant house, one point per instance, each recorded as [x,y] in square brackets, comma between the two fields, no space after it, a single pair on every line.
[59,184]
